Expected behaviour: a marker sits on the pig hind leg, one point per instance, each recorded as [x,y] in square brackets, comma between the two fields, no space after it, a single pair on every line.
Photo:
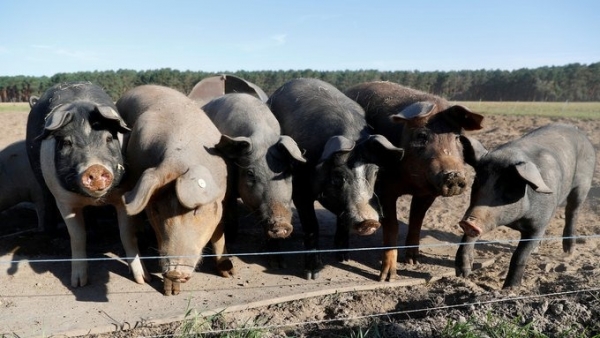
[574,202]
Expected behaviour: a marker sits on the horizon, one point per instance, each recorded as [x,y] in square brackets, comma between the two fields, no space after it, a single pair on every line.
[37,39]
[308,69]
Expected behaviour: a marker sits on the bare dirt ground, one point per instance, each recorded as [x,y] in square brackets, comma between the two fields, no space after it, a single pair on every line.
[558,293]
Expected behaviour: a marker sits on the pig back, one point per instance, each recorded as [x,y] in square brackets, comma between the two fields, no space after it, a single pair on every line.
[311,111]
[240,114]
[169,130]
[563,154]
[381,99]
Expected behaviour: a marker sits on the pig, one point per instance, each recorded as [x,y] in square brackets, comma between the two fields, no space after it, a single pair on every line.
[17,181]
[260,162]
[427,127]
[73,146]
[520,184]
[215,86]
[343,158]
[177,178]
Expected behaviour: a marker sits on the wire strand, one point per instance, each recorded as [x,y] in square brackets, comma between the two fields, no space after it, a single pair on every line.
[298,252]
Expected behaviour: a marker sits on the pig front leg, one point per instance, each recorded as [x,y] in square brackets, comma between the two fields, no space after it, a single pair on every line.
[342,239]
[519,258]
[389,223]
[418,207]
[306,212]
[73,218]
[224,264]
[127,228]
[463,263]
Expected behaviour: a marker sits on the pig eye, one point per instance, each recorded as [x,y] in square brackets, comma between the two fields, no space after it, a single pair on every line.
[65,143]
[420,139]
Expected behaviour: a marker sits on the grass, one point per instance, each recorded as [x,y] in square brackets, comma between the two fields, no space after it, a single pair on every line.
[14,107]
[585,110]
[494,327]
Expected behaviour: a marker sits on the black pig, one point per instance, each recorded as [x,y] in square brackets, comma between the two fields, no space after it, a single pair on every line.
[520,184]
[343,158]
[74,151]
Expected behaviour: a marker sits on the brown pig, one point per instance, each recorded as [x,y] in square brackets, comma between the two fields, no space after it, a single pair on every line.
[427,127]
[179,181]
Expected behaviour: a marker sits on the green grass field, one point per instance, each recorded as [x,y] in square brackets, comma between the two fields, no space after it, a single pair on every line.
[11,106]
[589,110]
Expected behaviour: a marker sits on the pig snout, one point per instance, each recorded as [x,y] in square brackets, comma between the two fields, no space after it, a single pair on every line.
[367,227]
[279,228]
[470,227]
[96,179]
[364,220]
[173,280]
[278,219]
[453,183]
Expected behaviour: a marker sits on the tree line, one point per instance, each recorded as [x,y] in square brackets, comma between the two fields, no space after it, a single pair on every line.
[572,82]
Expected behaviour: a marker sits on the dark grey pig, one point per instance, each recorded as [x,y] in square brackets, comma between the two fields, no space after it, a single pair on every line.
[261,159]
[17,182]
[178,178]
[520,184]
[343,158]
[74,151]
[427,127]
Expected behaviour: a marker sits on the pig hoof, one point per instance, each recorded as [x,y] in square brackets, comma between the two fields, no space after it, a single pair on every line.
[311,274]
[225,268]
[412,258]
[463,272]
[342,257]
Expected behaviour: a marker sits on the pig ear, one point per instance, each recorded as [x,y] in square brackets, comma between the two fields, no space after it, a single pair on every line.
[464,117]
[382,150]
[234,147]
[196,187]
[111,114]
[530,173]
[136,200]
[33,100]
[473,150]
[57,119]
[287,143]
[336,144]
[415,110]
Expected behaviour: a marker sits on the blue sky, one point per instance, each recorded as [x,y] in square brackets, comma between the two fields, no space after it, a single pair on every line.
[47,37]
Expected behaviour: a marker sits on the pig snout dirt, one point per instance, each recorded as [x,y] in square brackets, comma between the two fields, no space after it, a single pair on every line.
[453,183]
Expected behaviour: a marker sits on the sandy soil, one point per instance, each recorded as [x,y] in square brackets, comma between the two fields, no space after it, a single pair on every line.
[36,299]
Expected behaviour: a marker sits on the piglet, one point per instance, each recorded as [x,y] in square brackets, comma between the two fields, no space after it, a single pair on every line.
[520,184]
